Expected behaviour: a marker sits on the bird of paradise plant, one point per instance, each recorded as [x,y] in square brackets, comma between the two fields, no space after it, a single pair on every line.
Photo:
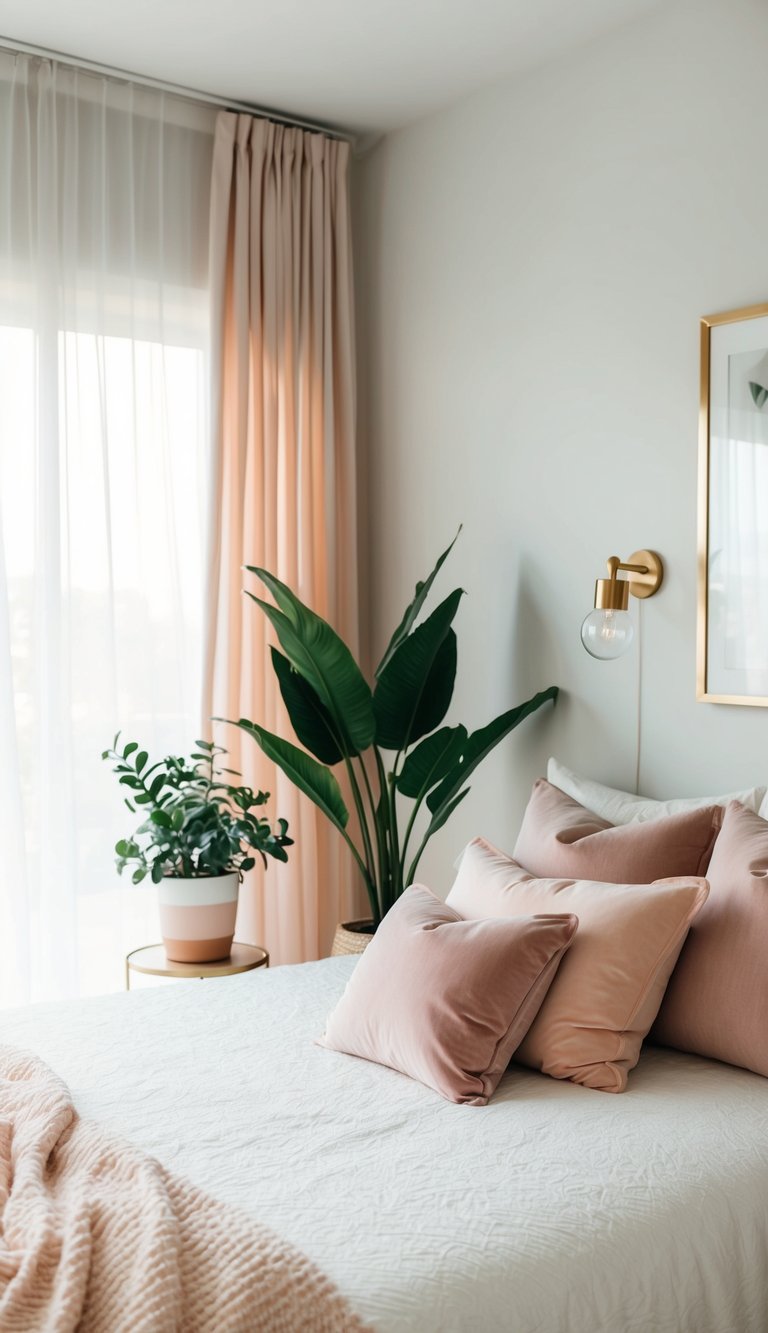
[387,736]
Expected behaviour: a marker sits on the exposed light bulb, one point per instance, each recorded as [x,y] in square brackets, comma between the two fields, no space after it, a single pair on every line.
[607,634]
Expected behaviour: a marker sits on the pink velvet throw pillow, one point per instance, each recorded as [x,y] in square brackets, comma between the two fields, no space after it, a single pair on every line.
[609,987]
[447,1001]
[560,837]
[717,1000]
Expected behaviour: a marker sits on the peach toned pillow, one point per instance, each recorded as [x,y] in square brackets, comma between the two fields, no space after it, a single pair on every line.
[447,1001]
[717,1000]
[608,990]
[560,837]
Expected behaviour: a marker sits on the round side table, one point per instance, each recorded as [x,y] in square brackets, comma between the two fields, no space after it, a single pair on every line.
[151,960]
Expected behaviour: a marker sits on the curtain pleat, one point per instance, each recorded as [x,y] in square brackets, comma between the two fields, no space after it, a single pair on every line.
[283,484]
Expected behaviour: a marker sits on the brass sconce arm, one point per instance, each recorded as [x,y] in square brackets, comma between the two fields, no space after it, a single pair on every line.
[612,594]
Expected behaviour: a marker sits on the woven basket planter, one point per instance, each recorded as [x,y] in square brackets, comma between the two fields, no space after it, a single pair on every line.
[351,937]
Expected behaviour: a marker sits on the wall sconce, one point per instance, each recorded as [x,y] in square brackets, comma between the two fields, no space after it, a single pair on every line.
[607,631]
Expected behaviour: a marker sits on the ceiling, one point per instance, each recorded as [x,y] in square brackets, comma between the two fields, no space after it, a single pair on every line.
[367,65]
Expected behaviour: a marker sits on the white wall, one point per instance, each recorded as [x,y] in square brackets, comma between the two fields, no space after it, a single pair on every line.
[532,265]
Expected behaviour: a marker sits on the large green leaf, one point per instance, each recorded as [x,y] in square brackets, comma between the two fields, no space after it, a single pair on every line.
[438,691]
[317,782]
[412,613]
[413,692]
[431,760]
[480,743]
[324,660]
[310,718]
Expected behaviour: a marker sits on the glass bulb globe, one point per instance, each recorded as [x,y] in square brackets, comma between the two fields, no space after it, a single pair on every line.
[607,634]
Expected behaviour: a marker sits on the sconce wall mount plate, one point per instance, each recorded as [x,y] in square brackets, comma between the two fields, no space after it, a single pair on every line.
[645,585]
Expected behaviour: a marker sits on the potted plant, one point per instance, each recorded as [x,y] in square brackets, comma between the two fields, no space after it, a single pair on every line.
[198,837]
[386,736]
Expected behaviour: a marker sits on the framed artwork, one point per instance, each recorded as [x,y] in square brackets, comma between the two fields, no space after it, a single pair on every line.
[732,645]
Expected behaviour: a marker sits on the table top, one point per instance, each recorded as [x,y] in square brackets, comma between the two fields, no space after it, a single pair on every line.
[151,959]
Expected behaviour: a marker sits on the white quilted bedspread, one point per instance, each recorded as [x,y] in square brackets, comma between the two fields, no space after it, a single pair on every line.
[555,1209]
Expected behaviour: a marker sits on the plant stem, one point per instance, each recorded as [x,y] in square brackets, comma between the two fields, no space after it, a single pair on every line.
[390,888]
[384,819]
[396,874]
[381,843]
[357,798]
[417,857]
[369,884]
[408,830]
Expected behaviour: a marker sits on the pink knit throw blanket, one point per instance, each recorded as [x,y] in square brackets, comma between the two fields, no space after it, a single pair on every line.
[97,1236]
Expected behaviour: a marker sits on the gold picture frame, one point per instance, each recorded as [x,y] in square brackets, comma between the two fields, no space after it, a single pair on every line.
[709,690]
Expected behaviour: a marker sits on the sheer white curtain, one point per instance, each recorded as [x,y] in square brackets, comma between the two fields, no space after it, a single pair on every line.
[104,192]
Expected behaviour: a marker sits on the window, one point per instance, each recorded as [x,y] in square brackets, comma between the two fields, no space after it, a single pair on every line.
[103,475]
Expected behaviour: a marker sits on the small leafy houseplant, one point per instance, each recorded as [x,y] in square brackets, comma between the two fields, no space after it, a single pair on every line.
[199,834]
[387,736]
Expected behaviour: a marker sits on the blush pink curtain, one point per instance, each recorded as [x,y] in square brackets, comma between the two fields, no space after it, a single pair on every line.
[284,483]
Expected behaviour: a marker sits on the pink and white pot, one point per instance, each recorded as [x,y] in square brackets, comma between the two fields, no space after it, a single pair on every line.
[197,917]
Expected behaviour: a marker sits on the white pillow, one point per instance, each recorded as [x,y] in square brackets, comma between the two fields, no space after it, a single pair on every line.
[623,807]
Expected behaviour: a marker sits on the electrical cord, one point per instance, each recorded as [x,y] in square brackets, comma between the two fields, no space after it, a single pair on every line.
[638,742]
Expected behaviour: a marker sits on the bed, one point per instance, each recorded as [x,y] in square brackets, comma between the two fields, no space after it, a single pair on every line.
[553,1208]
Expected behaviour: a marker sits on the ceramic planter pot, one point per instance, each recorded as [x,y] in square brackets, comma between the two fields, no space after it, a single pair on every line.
[352,937]
[197,917]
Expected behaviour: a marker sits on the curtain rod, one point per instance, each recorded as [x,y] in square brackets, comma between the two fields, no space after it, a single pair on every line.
[178,89]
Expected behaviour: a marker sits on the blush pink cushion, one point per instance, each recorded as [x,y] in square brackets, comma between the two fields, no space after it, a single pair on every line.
[608,990]
[717,1001]
[447,1001]
[559,837]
